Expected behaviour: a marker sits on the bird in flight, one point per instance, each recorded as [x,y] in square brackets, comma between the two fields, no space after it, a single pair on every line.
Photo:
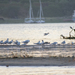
[46,34]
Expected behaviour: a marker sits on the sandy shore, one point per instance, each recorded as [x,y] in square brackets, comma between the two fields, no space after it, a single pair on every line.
[38,62]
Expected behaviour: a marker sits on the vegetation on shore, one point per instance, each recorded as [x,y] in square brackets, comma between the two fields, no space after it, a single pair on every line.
[47,20]
[19,9]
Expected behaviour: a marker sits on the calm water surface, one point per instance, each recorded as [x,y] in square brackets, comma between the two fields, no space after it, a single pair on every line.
[35,32]
[38,70]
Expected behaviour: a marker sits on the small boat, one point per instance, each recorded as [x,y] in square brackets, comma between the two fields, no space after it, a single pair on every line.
[30,19]
[70,37]
[41,19]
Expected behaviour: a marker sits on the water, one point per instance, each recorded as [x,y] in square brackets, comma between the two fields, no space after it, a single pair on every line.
[37,70]
[35,32]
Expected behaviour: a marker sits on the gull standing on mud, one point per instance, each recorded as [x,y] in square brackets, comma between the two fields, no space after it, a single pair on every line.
[10,42]
[1,42]
[26,42]
[42,42]
[6,41]
[17,42]
[72,43]
[38,43]
[54,43]
[63,42]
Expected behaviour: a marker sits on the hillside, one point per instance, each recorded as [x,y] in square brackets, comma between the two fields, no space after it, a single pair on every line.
[51,8]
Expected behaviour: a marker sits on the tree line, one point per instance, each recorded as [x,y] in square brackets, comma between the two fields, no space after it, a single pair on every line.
[51,8]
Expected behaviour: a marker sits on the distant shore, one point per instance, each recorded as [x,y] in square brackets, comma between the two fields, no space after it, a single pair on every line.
[47,20]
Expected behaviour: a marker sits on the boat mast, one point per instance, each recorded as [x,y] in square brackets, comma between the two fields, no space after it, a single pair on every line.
[30,17]
[40,10]
[30,10]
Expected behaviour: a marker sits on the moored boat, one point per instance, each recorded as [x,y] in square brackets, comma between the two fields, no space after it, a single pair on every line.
[70,36]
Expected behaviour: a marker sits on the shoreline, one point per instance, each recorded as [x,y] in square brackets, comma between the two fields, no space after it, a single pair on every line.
[40,61]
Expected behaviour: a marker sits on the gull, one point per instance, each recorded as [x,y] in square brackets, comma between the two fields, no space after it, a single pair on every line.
[1,42]
[54,43]
[63,42]
[38,43]
[71,27]
[42,42]
[26,41]
[72,43]
[46,42]
[16,42]
[46,34]
[6,41]
[10,42]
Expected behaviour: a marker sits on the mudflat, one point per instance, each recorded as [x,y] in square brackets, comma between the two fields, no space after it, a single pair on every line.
[52,61]
[34,55]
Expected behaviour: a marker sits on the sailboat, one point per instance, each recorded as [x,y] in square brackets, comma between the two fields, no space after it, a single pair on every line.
[41,19]
[30,19]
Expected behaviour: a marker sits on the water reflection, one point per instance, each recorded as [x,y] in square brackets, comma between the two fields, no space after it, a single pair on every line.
[38,70]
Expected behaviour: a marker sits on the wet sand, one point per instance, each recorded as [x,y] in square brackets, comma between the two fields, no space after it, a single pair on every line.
[38,62]
[36,55]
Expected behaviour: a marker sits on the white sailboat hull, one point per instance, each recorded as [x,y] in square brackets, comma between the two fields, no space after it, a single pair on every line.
[40,21]
[29,21]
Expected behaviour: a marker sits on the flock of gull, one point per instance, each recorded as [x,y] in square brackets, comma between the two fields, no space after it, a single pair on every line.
[18,43]
[54,43]
[27,41]
[14,42]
